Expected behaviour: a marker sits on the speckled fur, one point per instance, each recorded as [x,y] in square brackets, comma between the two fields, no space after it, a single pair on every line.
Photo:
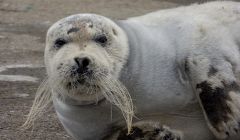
[148,130]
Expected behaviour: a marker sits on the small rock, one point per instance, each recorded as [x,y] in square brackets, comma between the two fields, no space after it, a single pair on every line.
[2,37]
[23,95]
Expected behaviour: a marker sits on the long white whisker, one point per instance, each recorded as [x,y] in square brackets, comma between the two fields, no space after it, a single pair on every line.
[42,101]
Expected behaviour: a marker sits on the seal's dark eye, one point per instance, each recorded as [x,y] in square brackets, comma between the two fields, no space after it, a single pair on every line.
[102,39]
[59,43]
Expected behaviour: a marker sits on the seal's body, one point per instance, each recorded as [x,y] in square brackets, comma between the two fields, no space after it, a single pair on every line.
[181,68]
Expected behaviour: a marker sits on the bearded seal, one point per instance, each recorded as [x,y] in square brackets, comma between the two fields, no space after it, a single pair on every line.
[179,67]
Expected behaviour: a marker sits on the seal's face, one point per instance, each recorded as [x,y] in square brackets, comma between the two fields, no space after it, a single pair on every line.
[80,50]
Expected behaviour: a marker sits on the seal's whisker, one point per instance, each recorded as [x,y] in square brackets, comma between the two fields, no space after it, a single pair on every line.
[118,95]
[42,101]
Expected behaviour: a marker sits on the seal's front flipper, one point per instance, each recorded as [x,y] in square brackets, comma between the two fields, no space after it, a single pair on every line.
[149,131]
[218,92]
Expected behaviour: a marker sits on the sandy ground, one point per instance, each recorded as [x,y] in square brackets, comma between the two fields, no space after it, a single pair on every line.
[23,24]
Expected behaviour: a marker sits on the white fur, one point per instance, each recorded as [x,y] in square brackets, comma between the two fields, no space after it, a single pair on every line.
[154,75]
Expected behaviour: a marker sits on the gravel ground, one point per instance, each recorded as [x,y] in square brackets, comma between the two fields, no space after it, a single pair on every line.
[23,24]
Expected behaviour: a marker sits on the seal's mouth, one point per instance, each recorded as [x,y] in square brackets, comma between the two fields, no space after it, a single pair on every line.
[81,81]
[81,74]
[82,77]
[87,78]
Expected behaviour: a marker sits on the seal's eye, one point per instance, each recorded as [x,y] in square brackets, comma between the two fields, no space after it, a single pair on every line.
[59,43]
[102,39]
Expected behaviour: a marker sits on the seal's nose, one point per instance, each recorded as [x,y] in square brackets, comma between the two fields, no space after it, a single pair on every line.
[82,63]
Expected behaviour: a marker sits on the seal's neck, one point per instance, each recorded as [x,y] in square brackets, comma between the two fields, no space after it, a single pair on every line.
[133,63]
[151,57]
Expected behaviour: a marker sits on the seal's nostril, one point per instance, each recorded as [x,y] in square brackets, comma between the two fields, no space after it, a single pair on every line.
[85,62]
[76,59]
[82,62]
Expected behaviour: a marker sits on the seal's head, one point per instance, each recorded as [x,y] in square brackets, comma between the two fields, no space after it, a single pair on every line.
[84,55]
[80,51]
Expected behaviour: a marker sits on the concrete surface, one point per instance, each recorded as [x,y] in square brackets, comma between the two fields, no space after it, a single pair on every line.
[23,24]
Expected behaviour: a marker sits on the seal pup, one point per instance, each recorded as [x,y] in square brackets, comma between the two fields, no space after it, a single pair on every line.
[178,67]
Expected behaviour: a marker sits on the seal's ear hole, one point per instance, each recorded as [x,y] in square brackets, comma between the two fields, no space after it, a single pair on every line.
[114,32]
